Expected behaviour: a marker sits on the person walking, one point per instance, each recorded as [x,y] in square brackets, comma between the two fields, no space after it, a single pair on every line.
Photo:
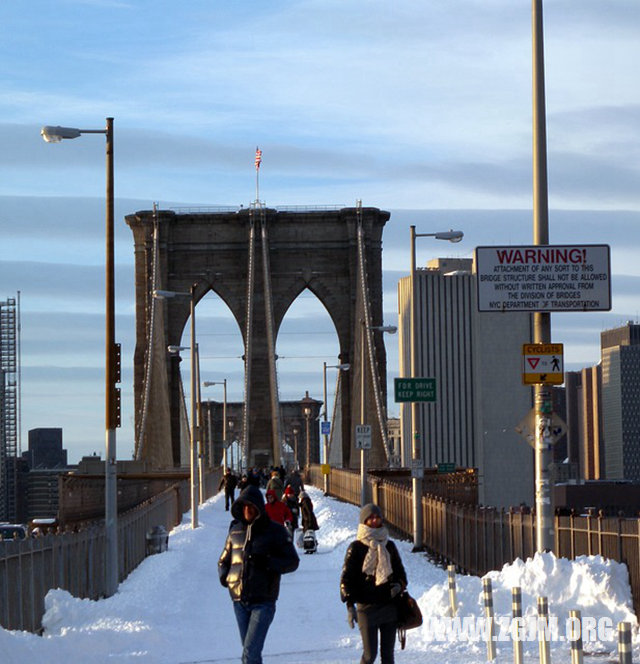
[278,511]
[295,482]
[290,500]
[372,577]
[229,481]
[256,553]
[307,515]
[276,484]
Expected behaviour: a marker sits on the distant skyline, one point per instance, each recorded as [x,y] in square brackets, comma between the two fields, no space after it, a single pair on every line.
[420,109]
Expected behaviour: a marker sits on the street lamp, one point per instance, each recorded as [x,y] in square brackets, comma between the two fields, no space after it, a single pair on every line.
[55,134]
[208,383]
[417,461]
[306,411]
[325,453]
[193,456]
[296,431]
[230,425]
[363,460]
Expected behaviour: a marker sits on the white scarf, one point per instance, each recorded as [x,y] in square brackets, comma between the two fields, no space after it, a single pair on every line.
[377,561]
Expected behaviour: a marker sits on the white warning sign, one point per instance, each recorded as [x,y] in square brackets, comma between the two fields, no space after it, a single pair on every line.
[544,278]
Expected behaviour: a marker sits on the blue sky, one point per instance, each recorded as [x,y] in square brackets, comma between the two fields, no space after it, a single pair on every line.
[423,109]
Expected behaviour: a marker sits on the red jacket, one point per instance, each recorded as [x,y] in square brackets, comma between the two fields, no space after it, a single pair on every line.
[277,510]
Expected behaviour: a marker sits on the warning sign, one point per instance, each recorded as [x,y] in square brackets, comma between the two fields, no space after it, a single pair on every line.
[544,278]
[542,364]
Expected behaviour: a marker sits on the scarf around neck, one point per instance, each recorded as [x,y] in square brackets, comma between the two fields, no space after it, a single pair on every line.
[377,561]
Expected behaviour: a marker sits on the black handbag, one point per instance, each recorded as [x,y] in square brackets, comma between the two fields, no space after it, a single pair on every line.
[409,616]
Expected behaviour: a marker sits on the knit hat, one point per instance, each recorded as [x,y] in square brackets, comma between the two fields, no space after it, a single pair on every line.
[369,510]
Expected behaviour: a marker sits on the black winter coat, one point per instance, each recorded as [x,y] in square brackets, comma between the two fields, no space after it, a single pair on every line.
[255,554]
[357,587]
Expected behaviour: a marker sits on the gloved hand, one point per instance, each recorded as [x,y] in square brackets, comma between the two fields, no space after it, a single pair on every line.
[395,589]
[352,615]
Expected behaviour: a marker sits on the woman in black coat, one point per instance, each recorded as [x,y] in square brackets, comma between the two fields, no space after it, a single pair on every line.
[372,576]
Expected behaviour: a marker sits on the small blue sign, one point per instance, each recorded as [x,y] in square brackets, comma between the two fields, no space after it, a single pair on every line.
[325,428]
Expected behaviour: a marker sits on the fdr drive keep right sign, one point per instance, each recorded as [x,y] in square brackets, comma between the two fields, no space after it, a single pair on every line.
[544,278]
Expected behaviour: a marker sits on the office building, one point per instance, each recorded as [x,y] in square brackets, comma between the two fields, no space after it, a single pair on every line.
[476,359]
[620,349]
[45,449]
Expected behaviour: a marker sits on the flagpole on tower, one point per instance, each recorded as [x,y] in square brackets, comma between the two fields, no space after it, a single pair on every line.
[258,161]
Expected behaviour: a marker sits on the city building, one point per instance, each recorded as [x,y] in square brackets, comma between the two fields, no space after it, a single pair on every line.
[394,434]
[9,409]
[585,444]
[476,360]
[620,352]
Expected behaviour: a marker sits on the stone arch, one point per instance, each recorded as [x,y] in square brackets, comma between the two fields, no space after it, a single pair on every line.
[292,250]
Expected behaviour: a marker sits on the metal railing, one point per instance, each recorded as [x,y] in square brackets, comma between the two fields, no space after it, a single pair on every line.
[75,560]
[479,539]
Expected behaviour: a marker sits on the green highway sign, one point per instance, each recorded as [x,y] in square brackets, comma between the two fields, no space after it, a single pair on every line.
[414,389]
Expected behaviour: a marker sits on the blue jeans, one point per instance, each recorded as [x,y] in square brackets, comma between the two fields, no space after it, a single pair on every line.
[253,622]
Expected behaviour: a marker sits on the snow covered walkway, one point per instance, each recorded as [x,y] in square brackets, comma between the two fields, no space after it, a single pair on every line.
[172,609]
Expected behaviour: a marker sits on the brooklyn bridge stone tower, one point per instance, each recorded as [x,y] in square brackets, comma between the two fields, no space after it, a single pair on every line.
[258,261]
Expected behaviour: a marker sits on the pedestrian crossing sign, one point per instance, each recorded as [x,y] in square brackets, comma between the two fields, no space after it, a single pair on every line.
[542,364]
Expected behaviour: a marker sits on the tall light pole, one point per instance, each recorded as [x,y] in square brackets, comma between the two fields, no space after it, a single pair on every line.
[296,431]
[325,451]
[306,411]
[207,383]
[230,425]
[541,320]
[194,443]
[55,134]
[364,330]
[417,460]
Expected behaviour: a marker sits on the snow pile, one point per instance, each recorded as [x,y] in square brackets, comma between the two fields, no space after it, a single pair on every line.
[172,609]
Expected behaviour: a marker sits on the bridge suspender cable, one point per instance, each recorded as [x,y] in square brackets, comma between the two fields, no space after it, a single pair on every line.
[367,318]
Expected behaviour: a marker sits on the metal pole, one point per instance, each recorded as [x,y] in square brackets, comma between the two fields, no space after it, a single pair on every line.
[487,597]
[363,458]
[541,321]
[516,633]
[194,426]
[200,431]
[416,447]
[325,447]
[111,394]
[224,428]
[307,416]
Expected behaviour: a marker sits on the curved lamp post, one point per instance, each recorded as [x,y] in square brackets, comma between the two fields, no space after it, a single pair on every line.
[55,134]
[417,462]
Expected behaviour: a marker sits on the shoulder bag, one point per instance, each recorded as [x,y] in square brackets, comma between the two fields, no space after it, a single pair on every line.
[409,615]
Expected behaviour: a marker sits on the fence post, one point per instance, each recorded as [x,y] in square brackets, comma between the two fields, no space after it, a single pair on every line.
[453,600]
[543,621]
[487,596]
[516,612]
[624,643]
[575,637]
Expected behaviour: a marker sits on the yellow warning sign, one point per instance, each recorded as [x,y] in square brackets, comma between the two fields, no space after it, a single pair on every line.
[542,364]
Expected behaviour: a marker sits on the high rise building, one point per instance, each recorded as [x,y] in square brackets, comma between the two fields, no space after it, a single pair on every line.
[9,408]
[620,350]
[476,359]
[45,449]
[584,421]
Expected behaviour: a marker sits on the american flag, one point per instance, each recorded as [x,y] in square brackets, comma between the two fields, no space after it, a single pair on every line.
[258,158]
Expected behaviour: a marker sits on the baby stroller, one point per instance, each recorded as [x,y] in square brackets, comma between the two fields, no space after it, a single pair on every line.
[309,541]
